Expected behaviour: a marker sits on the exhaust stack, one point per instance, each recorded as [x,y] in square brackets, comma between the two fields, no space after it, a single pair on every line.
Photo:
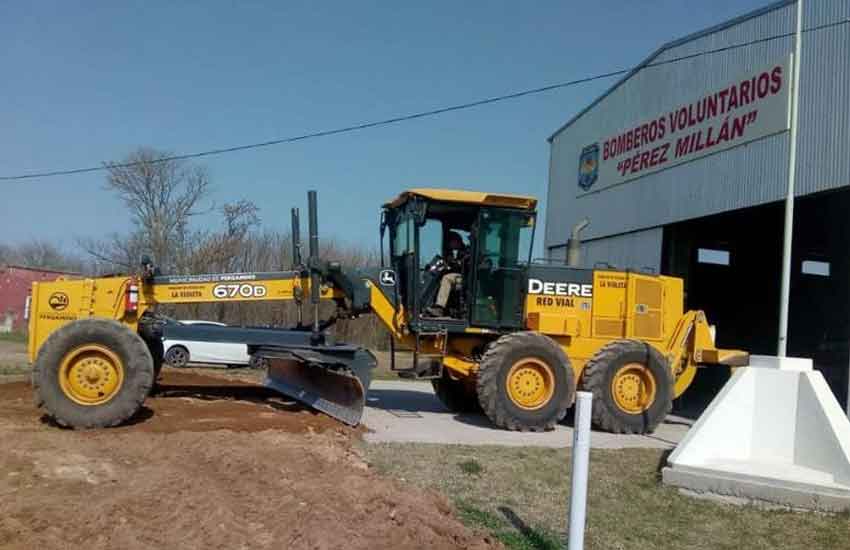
[574,244]
[296,239]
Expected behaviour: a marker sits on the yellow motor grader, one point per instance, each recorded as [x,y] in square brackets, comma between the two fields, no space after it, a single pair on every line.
[515,338]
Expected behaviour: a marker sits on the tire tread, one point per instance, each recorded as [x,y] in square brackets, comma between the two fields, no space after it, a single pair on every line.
[594,379]
[490,381]
[138,374]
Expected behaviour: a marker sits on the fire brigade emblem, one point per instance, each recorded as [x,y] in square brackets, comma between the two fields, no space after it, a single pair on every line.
[588,166]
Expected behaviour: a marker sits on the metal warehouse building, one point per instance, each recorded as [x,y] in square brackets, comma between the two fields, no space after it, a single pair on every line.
[682,168]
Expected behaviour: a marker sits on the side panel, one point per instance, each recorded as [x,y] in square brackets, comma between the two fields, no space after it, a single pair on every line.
[674,303]
[609,306]
[229,287]
[56,303]
[559,300]
[645,307]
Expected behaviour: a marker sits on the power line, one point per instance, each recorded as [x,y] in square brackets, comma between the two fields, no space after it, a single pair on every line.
[414,116]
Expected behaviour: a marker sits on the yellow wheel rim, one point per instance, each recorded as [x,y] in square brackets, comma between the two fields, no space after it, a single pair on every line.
[531,383]
[633,388]
[91,375]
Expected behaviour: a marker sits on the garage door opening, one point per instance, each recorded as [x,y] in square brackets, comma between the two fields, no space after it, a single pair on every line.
[731,264]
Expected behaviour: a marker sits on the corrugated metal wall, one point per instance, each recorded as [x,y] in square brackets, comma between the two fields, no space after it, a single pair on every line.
[823,147]
[737,178]
[638,250]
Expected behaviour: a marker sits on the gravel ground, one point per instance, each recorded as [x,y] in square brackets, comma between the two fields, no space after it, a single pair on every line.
[210,465]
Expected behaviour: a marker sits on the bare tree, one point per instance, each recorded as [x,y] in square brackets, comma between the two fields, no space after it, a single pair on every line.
[41,254]
[114,254]
[162,196]
[240,217]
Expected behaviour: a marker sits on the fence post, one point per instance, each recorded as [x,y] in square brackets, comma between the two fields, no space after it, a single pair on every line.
[581,458]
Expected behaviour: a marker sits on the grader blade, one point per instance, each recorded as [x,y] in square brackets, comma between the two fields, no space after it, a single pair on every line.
[333,380]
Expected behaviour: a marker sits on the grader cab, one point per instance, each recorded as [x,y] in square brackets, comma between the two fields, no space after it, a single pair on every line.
[457,291]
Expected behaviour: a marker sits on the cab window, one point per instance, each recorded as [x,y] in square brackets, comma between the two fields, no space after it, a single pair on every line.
[403,237]
[505,239]
[430,241]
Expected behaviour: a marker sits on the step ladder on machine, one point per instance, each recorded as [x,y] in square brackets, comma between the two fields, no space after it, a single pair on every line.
[426,366]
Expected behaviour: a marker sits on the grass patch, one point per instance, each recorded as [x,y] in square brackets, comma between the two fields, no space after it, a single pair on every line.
[470,467]
[520,495]
[515,538]
[13,337]
[10,370]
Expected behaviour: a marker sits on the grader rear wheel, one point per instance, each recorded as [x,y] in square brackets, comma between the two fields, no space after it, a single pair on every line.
[632,387]
[92,373]
[525,382]
[531,383]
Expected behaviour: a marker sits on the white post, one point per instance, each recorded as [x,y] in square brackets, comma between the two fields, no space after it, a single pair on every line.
[581,458]
[788,234]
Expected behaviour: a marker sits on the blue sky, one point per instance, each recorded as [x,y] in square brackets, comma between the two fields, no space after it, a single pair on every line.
[82,85]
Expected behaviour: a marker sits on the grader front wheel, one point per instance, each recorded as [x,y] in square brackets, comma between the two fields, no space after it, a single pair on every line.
[632,387]
[525,382]
[92,373]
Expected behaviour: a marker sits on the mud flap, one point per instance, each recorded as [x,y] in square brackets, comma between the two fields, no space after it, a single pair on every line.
[331,379]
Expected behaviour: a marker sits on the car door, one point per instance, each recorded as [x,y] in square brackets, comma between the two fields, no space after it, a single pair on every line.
[233,354]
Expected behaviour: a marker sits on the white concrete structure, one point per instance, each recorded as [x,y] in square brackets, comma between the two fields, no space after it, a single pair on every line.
[775,433]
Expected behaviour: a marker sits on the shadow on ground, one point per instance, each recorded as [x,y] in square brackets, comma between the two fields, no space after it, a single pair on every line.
[404,400]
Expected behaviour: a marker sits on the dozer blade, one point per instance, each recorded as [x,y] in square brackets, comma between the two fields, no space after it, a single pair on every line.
[331,379]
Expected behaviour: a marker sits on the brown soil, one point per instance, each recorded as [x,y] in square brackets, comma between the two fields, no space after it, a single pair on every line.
[277,476]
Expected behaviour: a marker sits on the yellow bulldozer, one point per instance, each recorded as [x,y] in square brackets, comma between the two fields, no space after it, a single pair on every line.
[492,329]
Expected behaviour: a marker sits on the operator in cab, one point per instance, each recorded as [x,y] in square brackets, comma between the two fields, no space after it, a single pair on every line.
[454,262]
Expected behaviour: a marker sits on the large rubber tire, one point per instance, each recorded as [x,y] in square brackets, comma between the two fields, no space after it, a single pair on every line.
[598,377]
[493,376]
[177,356]
[458,396]
[137,366]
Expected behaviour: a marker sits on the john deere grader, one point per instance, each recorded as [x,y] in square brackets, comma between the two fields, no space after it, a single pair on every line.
[491,329]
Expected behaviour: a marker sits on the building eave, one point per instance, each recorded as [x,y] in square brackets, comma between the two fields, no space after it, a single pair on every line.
[669,45]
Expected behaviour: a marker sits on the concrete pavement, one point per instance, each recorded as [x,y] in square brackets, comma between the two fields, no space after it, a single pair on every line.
[402,411]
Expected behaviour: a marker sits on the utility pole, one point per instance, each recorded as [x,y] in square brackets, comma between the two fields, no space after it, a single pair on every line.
[788,234]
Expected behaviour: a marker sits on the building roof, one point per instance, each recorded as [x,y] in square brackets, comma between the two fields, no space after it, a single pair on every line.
[669,45]
[466,197]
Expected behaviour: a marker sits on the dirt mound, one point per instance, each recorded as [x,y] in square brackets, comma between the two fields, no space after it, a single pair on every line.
[175,480]
[199,403]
